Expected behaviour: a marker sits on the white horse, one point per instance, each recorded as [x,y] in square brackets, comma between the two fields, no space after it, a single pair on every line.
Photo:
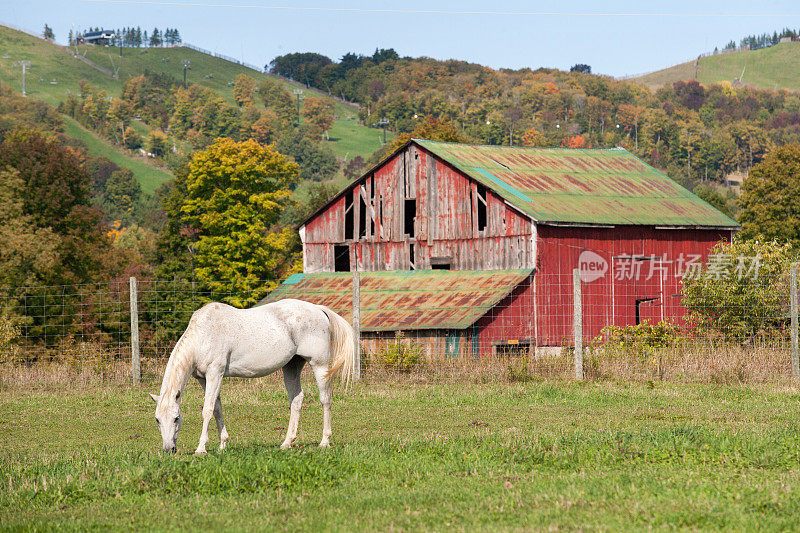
[225,341]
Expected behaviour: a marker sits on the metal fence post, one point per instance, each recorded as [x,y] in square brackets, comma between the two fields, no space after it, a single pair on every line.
[357,320]
[793,304]
[136,369]
[577,322]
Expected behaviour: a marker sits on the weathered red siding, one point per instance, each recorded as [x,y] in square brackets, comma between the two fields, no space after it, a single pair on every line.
[513,319]
[446,223]
[610,300]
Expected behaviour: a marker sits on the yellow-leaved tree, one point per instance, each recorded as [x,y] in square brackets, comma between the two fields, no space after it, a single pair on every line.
[235,194]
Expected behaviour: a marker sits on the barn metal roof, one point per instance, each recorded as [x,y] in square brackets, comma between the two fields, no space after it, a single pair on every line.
[406,299]
[567,185]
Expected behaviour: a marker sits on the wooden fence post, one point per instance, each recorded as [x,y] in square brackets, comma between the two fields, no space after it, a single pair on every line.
[577,322]
[794,325]
[136,369]
[357,320]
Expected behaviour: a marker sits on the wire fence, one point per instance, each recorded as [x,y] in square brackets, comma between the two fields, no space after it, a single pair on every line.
[632,322]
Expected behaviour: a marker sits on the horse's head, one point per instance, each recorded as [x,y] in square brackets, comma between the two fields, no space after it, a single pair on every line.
[168,418]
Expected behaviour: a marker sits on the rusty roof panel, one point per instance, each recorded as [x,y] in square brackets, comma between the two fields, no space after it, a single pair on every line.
[406,299]
[580,186]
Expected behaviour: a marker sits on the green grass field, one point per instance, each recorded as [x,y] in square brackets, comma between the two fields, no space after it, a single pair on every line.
[548,455]
[777,67]
[150,177]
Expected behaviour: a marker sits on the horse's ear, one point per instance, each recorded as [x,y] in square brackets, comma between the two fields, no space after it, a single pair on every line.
[178,396]
[154,398]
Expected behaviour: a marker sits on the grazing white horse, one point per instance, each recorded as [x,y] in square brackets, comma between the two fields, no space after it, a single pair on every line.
[225,341]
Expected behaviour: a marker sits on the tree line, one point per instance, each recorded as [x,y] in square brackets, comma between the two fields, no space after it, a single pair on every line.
[763,40]
[696,133]
[132,37]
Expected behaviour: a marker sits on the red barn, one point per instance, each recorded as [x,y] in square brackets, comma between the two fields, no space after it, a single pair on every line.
[472,248]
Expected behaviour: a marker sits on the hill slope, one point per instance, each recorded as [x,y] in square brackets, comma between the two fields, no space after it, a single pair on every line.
[776,67]
[55,72]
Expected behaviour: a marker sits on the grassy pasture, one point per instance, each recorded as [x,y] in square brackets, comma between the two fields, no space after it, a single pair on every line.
[499,456]
[776,67]
[150,177]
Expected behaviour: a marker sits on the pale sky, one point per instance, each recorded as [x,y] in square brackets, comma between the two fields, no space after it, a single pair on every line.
[615,38]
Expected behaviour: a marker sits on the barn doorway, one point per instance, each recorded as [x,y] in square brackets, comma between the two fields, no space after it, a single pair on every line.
[341,258]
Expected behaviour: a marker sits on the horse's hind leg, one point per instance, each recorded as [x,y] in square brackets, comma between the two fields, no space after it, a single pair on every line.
[325,398]
[291,378]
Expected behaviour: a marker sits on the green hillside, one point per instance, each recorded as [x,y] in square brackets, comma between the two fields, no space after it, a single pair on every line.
[776,67]
[149,177]
[54,73]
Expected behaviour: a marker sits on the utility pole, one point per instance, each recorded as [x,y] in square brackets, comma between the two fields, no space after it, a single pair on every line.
[25,65]
[383,123]
[299,94]
[186,66]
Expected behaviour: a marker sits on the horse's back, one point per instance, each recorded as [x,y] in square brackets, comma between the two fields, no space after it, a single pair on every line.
[261,340]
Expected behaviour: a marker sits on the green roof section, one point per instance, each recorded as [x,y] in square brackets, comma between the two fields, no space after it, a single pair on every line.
[574,186]
[406,299]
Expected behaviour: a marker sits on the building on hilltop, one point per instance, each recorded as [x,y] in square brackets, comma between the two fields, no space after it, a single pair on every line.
[470,250]
[101,37]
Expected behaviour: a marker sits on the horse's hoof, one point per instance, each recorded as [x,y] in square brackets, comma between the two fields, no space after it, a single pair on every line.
[200,452]
[286,445]
[325,444]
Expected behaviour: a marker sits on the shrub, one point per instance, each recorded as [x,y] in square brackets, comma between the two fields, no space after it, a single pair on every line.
[401,356]
[650,344]
[518,370]
[9,332]
[741,305]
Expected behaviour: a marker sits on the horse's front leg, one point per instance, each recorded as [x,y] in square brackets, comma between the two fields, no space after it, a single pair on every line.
[223,433]
[213,384]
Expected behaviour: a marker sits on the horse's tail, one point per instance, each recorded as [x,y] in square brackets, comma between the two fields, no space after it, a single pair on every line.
[343,353]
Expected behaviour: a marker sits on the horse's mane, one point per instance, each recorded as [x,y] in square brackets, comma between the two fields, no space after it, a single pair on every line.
[180,361]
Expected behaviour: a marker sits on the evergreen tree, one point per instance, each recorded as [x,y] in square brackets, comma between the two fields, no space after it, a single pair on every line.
[155,38]
[48,33]
[70,38]
[137,37]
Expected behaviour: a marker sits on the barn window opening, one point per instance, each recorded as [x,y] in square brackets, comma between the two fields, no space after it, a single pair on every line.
[349,218]
[481,190]
[380,209]
[513,348]
[410,215]
[441,263]
[341,258]
[639,302]
[411,256]
[362,216]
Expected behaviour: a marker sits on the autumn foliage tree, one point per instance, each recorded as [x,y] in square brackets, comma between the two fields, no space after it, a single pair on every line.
[770,198]
[319,114]
[235,192]
[533,137]
[575,141]
[243,90]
